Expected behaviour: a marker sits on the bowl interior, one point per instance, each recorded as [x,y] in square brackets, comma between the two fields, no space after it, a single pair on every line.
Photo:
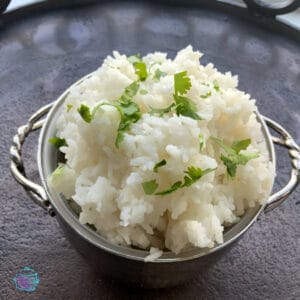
[47,162]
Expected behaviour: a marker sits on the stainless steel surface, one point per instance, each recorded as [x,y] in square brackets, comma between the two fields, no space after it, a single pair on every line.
[69,220]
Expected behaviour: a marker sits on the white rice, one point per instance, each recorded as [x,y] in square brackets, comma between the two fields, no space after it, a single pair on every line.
[106,182]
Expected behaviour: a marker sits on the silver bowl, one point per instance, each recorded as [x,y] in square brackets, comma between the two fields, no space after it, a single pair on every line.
[124,263]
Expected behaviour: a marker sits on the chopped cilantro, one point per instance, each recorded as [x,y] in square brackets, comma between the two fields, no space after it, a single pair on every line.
[237,146]
[208,94]
[182,83]
[85,113]
[119,138]
[139,65]
[143,92]
[234,158]
[58,142]
[130,92]
[130,113]
[173,188]
[58,171]
[69,106]
[158,74]
[231,163]
[129,110]
[222,145]
[193,174]
[150,187]
[161,111]
[216,86]
[186,107]
[201,141]
[159,164]
[141,70]
[183,105]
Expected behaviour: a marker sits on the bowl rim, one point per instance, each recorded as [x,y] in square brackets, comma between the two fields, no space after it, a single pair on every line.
[46,152]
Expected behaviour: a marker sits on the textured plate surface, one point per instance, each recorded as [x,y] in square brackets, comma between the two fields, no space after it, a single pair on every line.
[41,55]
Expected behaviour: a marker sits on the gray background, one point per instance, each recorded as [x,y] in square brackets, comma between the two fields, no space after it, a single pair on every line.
[43,54]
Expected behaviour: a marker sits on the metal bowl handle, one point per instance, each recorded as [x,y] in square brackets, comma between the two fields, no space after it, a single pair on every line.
[288,142]
[264,8]
[35,191]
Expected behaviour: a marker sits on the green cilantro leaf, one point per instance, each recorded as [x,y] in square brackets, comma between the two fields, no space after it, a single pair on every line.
[183,105]
[182,83]
[234,158]
[141,70]
[69,106]
[119,138]
[244,158]
[222,145]
[58,171]
[158,74]
[193,174]
[231,161]
[201,141]
[231,164]
[58,142]
[161,111]
[130,92]
[186,107]
[85,113]
[216,86]
[237,146]
[172,189]
[150,187]
[159,164]
[129,111]
[208,94]
[125,100]
[139,65]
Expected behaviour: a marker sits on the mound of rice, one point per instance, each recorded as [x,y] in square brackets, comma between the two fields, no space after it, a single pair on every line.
[106,181]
